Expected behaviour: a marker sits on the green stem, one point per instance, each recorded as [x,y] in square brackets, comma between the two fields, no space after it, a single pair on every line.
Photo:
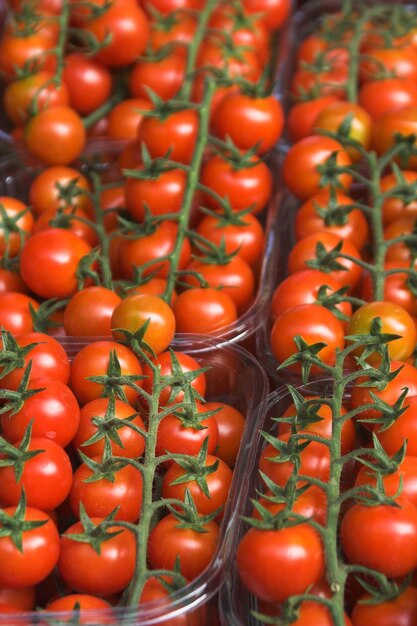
[104,240]
[59,50]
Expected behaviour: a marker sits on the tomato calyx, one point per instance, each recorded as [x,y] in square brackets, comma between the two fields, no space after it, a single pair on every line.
[14,400]
[95,534]
[180,380]
[12,355]
[15,525]
[108,425]
[13,455]
[189,517]
[195,468]
[331,300]
[327,260]
[106,467]
[114,381]
[212,254]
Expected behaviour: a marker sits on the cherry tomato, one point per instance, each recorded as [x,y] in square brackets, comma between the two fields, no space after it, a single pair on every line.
[403,480]
[175,134]
[45,190]
[274,12]
[89,311]
[161,195]
[401,610]
[12,241]
[403,429]
[179,365]
[203,310]
[11,281]
[162,76]
[394,207]
[333,116]
[388,94]
[29,51]
[15,314]
[124,119]
[230,425]
[388,126]
[302,116]
[89,83]
[401,61]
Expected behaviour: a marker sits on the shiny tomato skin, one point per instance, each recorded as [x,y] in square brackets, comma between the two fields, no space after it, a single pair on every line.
[302,116]
[399,251]
[176,438]
[275,564]
[333,116]
[403,429]
[84,602]
[88,312]
[396,289]
[39,554]
[134,311]
[176,133]
[12,242]
[164,76]
[132,443]
[75,223]
[89,83]
[404,122]
[49,261]
[395,320]
[186,364]
[301,162]
[274,12]
[85,571]
[11,281]
[393,207]
[249,121]
[181,32]
[22,598]
[302,287]
[230,426]
[125,118]
[169,6]
[93,360]
[160,195]
[195,550]
[204,310]
[403,481]
[314,324]
[367,530]
[17,52]
[390,94]
[401,61]
[44,192]
[15,313]
[54,413]
[55,136]
[402,611]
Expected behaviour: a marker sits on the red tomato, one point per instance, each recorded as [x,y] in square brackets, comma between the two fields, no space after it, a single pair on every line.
[400,61]
[54,413]
[93,360]
[101,496]
[230,425]
[401,610]
[89,83]
[129,30]
[274,12]
[55,136]
[15,313]
[155,286]
[38,89]
[244,187]
[86,604]
[395,320]
[89,311]
[203,310]
[175,133]
[394,207]
[218,485]
[125,118]
[179,29]
[94,418]
[45,190]
[302,116]
[169,6]
[249,121]
[388,94]
[399,251]
[103,573]
[403,429]
[366,531]
[75,220]
[303,159]
[162,76]
[46,477]
[305,252]
[38,556]
[303,287]
[195,550]
[308,83]
[276,564]
[49,261]
[22,598]
[181,366]
[178,437]
[11,241]
[404,122]
[314,47]
[11,281]
[396,288]
[333,116]
[161,195]
[403,480]
[231,62]
[311,503]
[134,311]
[30,51]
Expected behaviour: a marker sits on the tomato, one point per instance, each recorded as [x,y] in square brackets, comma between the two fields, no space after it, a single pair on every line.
[397,612]
[49,262]
[395,320]
[22,598]
[75,220]
[89,311]
[249,121]
[315,614]
[125,117]
[303,287]
[203,310]
[314,47]
[15,314]
[324,424]
[52,189]
[162,76]
[55,136]
[38,89]
[46,477]
[406,377]
[366,531]
[394,207]
[303,159]
[103,573]
[195,550]
[175,436]
[218,485]
[15,211]
[388,126]
[325,212]
[400,61]
[11,281]
[305,252]
[180,366]
[89,83]
[396,289]
[129,29]
[155,589]
[93,360]
[333,116]
[311,503]
[308,83]
[244,187]
[378,97]
[230,426]
[94,418]
[175,133]
[403,429]
[179,29]
[54,413]
[150,247]
[274,12]
[403,480]
[161,194]
[169,6]
[38,556]
[47,356]
[86,604]
[243,30]
[399,251]
[235,277]
[153,286]
[30,51]
[276,564]
[104,494]
[134,311]
[302,116]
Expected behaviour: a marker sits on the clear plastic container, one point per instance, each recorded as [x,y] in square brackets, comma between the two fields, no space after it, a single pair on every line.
[15,178]
[234,377]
